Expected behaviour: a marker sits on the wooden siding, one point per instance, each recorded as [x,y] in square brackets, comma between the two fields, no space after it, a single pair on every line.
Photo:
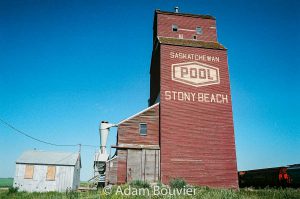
[197,138]
[111,171]
[29,169]
[135,164]
[122,164]
[51,170]
[128,136]
[186,26]
[128,131]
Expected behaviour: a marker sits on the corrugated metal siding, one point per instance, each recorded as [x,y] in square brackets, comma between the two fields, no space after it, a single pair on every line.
[76,179]
[46,157]
[63,179]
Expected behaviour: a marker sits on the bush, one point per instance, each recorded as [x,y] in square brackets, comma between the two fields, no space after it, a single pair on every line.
[139,184]
[12,190]
[177,183]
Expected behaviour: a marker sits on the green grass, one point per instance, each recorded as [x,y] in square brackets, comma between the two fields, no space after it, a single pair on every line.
[6,182]
[201,193]
[84,184]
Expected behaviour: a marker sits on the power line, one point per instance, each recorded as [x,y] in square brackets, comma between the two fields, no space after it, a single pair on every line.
[42,141]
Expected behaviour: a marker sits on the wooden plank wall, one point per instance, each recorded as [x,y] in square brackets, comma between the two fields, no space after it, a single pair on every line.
[128,132]
[143,164]
[111,171]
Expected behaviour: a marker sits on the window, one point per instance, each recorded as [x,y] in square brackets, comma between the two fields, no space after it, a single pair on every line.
[174,28]
[143,129]
[195,37]
[51,171]
[29,171]
[199,30]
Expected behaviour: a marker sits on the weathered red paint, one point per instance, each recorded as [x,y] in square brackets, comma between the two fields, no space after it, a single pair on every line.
[128,134]
[196,138]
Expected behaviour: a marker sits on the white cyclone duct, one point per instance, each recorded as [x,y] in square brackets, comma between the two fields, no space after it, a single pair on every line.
[104,131]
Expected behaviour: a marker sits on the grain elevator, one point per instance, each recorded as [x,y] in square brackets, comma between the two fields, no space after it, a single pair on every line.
[187,130]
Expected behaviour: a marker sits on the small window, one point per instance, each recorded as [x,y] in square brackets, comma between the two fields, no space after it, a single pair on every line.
[199,30]
[51,171]
[195,37]
[29,169]
[174,28]
[143,129]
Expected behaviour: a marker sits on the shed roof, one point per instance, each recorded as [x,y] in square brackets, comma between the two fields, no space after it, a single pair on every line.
[49,158]
[146,109]
[190,43]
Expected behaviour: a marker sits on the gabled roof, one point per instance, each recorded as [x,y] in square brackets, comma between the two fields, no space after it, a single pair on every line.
[185,14]
[190,43]
[49,158]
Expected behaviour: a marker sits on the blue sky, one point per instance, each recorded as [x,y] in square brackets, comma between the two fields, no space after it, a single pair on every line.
[67,65]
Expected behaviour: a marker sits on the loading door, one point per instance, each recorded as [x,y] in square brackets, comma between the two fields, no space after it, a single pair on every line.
[134,165]
[143,164]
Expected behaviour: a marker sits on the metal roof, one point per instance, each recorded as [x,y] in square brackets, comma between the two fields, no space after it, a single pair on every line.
[48,158]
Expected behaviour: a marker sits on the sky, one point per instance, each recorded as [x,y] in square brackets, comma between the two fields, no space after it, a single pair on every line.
[67,65]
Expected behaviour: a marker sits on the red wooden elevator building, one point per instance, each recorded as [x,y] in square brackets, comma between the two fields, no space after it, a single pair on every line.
[187,130]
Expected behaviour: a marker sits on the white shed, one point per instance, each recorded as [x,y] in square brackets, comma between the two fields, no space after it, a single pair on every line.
[40,171]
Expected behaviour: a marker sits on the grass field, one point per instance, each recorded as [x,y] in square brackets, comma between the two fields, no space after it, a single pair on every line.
[201,193]
[6,182]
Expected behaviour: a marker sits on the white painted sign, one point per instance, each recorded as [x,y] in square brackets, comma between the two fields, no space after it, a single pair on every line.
[194,57]
[219,98]
[195,74]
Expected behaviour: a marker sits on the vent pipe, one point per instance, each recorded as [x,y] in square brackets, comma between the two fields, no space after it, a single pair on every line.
[176,9]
